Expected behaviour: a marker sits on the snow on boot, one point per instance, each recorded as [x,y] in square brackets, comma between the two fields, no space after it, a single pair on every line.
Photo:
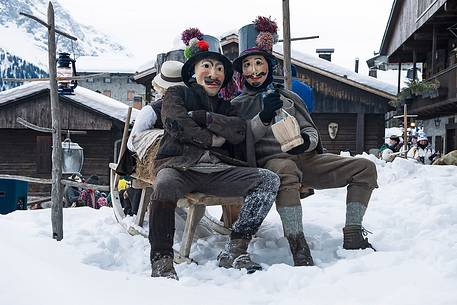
[354,238]
[235,256]
[162,266]
[300,250]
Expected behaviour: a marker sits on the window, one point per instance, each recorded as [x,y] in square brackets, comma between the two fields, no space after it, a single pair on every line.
[107,93]
[90,80]
[130,95]
[107,80]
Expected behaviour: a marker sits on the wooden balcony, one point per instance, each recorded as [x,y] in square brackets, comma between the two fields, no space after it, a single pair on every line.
[446,101]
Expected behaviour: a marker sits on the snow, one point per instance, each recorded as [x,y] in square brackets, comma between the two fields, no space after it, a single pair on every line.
[324,65]
[107,63]
[413,217]
[83,96]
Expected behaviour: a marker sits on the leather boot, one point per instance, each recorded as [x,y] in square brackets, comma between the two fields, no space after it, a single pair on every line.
[300,250]
[235,256]
[354,238]
[162,266]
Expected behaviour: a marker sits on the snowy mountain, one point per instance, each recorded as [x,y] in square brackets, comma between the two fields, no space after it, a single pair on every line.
[26,39]
[12,66]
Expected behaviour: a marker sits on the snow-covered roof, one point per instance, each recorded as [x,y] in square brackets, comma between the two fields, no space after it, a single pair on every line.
[146,66]
[339,73]
[83,96]
[108,64]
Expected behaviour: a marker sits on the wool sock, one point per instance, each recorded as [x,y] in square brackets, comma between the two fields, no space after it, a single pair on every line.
[354,213]
[291,218]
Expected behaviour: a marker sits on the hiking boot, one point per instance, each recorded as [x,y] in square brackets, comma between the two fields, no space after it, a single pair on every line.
[162,266]
[300,250]
[235,256]
[354,238]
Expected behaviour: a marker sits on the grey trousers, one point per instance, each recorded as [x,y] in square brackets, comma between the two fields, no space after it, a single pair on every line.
[171,184]
[323,171]
[258,186]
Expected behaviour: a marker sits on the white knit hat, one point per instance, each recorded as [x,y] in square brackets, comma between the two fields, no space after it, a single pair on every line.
[170,74]
[422,136]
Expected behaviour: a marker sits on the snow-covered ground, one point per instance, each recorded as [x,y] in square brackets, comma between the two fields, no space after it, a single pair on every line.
[413,217]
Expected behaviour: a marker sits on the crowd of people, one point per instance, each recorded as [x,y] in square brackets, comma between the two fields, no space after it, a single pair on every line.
[220,141]
[418,148]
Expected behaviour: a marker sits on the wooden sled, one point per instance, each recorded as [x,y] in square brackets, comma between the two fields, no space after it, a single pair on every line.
[193,205]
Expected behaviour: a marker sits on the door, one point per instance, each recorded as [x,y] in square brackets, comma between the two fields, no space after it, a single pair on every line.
[451,140]
[43,155]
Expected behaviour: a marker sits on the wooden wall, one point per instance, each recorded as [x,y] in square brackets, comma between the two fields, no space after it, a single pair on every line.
[36,110]
[406,20]
[373,133]
[28,153]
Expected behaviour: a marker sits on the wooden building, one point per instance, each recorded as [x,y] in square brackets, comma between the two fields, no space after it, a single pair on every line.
[27,152]
[355,103]
[425,32]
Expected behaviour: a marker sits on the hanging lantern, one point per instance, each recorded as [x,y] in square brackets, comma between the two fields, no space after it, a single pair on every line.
[66,87]
[72,157]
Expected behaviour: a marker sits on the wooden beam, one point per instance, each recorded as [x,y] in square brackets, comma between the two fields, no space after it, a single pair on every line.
[286,45]
[48,25]
[45,129]
[434,38]
[399,78]
[360,133]
[414,65]
[97,187]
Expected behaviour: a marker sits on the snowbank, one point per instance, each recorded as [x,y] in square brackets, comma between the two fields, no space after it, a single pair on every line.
[413,217]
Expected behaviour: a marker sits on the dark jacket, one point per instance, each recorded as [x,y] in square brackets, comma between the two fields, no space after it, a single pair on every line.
[184,141]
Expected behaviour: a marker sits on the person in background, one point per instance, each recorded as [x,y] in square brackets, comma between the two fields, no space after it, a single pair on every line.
[423,153]
[388,150]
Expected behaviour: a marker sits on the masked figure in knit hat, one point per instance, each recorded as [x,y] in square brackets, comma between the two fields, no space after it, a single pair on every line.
[195,156]
[304,163]
[423,152]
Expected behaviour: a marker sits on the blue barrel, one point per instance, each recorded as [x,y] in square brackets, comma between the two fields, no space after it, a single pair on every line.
[13,195]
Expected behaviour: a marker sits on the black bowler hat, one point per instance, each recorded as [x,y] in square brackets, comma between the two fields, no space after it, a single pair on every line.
[201,46]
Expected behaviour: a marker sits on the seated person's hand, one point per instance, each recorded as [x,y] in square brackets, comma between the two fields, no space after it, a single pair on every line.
[271,103]
[302,147]
[217,141]
[200,117]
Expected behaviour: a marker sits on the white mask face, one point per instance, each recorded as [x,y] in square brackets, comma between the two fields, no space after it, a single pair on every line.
[255,70]
[332,130]
[210,74]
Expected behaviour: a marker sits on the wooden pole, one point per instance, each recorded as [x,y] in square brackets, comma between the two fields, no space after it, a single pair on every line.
[414,64]
[125,136]
[399,78]
[286,45]
[56,189]
[434,42]
[405,128]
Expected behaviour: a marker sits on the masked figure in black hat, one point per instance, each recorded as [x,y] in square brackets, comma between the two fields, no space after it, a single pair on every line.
[304,163]
[194,156]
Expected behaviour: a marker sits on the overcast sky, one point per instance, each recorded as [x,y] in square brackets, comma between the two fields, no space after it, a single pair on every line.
[146,27]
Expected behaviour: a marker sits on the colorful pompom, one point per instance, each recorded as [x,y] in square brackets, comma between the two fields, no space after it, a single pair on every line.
[203,45]
[190,33]
[264,41]
[264,24]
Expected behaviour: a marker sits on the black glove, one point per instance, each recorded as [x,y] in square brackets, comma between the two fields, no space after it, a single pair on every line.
[271,103]
[199,116]
[302,147]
